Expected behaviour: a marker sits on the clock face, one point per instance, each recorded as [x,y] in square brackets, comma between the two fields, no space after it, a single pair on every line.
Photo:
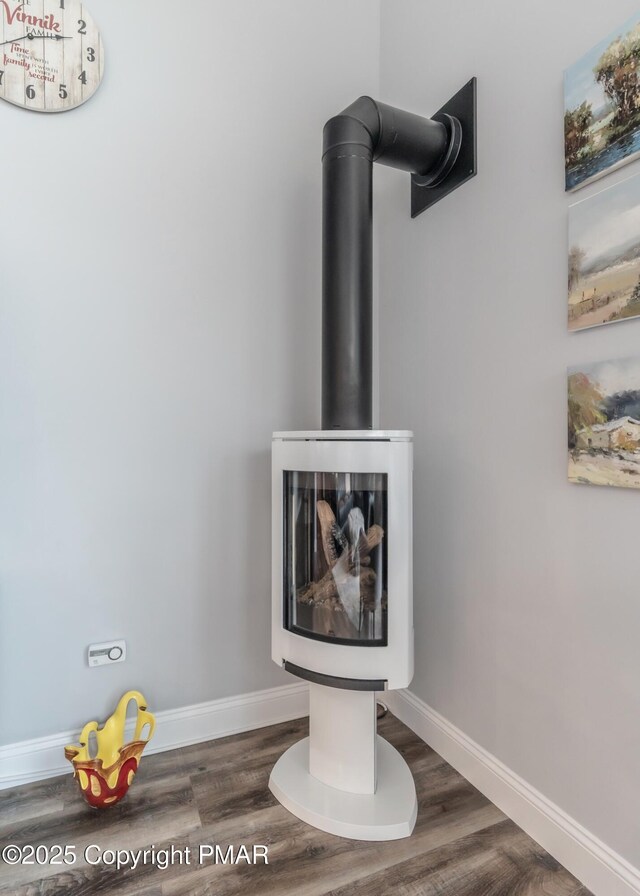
[51,55]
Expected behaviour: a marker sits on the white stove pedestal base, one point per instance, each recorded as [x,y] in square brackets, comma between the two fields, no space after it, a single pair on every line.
[388,814]
[359,786]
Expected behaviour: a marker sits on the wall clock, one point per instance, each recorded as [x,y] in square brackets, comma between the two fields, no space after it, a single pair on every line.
[51,55]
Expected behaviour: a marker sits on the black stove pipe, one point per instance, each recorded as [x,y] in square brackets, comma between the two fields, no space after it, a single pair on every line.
[365,132]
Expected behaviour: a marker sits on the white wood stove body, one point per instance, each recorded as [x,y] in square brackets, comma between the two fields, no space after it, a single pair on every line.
[354,490]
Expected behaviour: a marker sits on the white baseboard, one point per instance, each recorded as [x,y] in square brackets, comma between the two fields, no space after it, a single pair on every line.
[598,867]
[43,757]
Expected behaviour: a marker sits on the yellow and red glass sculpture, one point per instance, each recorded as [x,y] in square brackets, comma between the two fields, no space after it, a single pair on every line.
[105,777]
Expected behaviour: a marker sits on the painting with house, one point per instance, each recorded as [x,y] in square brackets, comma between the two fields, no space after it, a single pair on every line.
[604,423]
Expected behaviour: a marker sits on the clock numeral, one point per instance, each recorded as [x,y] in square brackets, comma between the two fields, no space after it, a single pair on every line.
[62,93]
[30,92]
[83,77]
[91,54]
[1,76]
[83,26]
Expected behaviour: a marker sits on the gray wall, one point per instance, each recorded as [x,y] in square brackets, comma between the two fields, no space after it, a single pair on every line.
[526,606]
[159,317]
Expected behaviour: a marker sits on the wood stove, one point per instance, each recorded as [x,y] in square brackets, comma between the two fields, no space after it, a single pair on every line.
[342,542]
[342,561]
[342,619]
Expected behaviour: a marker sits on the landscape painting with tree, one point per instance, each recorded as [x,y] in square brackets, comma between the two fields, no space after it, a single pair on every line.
[604,256]
[604,423]
[602,107]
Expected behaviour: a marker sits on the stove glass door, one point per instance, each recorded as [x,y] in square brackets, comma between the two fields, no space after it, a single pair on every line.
[335,556]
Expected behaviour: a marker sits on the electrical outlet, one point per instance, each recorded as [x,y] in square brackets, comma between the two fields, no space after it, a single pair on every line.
[107,654]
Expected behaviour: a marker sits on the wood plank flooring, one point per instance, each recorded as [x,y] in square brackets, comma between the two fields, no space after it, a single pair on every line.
[216,793]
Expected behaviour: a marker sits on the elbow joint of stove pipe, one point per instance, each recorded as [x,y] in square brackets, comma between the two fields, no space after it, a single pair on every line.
[391,137]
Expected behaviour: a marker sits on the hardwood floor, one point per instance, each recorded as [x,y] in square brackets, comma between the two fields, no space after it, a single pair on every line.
[216,793]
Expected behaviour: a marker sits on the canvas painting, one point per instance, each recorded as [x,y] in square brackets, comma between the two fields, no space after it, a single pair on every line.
[604,256]
[604,423]
[602,107]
